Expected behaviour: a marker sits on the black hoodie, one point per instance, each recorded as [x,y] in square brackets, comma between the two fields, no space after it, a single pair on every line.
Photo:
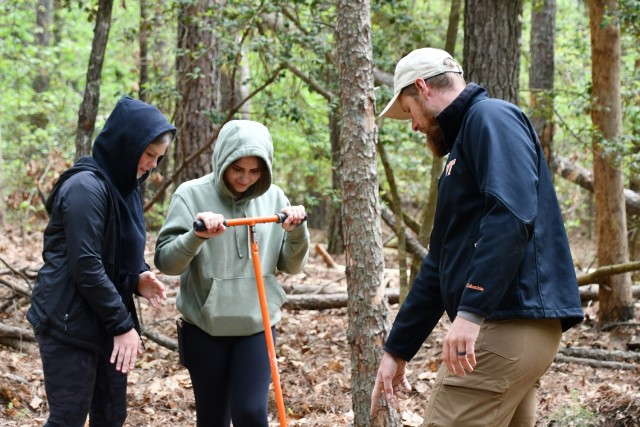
[94,242]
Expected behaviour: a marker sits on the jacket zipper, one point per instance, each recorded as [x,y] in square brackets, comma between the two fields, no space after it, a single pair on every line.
[67,315]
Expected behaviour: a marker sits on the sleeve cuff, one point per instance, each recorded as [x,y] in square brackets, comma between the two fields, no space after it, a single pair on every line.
[471,317]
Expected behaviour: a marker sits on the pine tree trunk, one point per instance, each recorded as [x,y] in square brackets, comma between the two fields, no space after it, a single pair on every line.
[198,85]
[43,35]
[543,24]
[335,234]
[492,46]
[367,307]
[616,302]
[91,101]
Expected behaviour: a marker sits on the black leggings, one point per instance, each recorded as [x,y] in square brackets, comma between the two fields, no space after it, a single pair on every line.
[230,377]
[80,382]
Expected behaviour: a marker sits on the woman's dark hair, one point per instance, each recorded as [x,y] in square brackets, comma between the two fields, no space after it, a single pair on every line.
[163,138]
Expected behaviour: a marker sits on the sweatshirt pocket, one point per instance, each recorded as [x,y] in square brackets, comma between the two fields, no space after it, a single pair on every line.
[233,308]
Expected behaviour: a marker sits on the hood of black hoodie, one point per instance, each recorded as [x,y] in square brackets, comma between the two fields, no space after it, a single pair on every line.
[117,149]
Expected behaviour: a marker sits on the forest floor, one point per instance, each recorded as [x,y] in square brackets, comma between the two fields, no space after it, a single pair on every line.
[313,359]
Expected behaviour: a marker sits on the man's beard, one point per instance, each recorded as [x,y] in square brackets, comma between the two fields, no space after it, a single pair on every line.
[435,138]
[436,142]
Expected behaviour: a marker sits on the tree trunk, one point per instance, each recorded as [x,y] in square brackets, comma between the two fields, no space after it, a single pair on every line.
[199,87]
[429,208]
[335,236]
[398,215]
[492,46]
[90,102]
[44,23]
[2,208]
[367,309]
[143,42]
[616,302]
[543,24]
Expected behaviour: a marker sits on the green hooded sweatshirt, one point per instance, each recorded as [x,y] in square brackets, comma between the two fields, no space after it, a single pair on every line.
[218,291]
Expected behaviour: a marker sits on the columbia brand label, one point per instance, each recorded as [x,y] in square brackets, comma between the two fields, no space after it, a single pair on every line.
[449,166]
[475,287]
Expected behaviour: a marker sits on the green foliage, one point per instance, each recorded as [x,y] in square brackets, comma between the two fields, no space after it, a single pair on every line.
[297,35]
[33,124]
[627,15]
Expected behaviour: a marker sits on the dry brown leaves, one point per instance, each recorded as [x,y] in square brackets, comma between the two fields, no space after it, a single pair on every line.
[314,362]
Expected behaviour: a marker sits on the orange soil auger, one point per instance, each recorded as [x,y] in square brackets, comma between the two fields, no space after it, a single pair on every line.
[251,222]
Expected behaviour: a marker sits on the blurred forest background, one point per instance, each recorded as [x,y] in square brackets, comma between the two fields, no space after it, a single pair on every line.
[309,70]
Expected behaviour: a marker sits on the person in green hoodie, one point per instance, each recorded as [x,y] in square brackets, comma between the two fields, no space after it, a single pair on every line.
[221,333]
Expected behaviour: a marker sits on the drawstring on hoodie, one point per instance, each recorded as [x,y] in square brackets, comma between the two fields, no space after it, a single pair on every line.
[238,239]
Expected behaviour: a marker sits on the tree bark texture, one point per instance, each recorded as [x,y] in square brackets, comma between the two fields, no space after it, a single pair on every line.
[199,87]
[367,309]
[143,43]
[44,24]
[398,216]
[91,100]
[2,196]
[492,46]
[335,236]
[541,47]
[616,302]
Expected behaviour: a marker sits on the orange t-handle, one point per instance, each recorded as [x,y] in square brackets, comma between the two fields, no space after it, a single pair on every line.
[198,225]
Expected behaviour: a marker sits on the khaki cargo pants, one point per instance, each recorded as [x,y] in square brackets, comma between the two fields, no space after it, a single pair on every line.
[511,357]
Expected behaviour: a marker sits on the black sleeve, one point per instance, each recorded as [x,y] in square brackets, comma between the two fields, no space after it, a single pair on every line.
[84,206]
[419,313]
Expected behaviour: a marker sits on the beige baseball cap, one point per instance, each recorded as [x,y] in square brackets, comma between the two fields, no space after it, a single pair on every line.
[419,64]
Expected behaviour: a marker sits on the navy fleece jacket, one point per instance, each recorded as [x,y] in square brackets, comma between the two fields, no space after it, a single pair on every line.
[498,248]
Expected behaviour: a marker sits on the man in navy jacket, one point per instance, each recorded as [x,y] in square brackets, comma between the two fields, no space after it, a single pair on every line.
[499,262]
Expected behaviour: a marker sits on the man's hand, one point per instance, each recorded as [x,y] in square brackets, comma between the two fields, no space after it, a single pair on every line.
[392,380]
[295,215]
[151,288]
[458,351]
[126,348]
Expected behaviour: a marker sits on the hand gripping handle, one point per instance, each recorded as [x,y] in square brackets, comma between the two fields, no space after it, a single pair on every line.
[198,225]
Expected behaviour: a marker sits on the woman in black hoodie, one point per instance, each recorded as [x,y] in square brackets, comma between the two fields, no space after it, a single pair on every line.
[82,309]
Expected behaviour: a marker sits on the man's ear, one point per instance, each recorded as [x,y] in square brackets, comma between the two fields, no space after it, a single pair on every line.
[422,88]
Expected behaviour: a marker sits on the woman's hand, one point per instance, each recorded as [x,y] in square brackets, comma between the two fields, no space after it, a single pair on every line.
[295,215]
[151,288]
[126,348]
[214,223]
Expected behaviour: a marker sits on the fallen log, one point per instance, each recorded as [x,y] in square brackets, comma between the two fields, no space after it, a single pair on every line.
[328,288]
[7,331]
[20,345]
[16,287]
[591,292]
[333,295]
[161,339]
[601,354]
[607,270]
[596,363]
[584,178]
[413,244]
[327,301]
[326,257]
